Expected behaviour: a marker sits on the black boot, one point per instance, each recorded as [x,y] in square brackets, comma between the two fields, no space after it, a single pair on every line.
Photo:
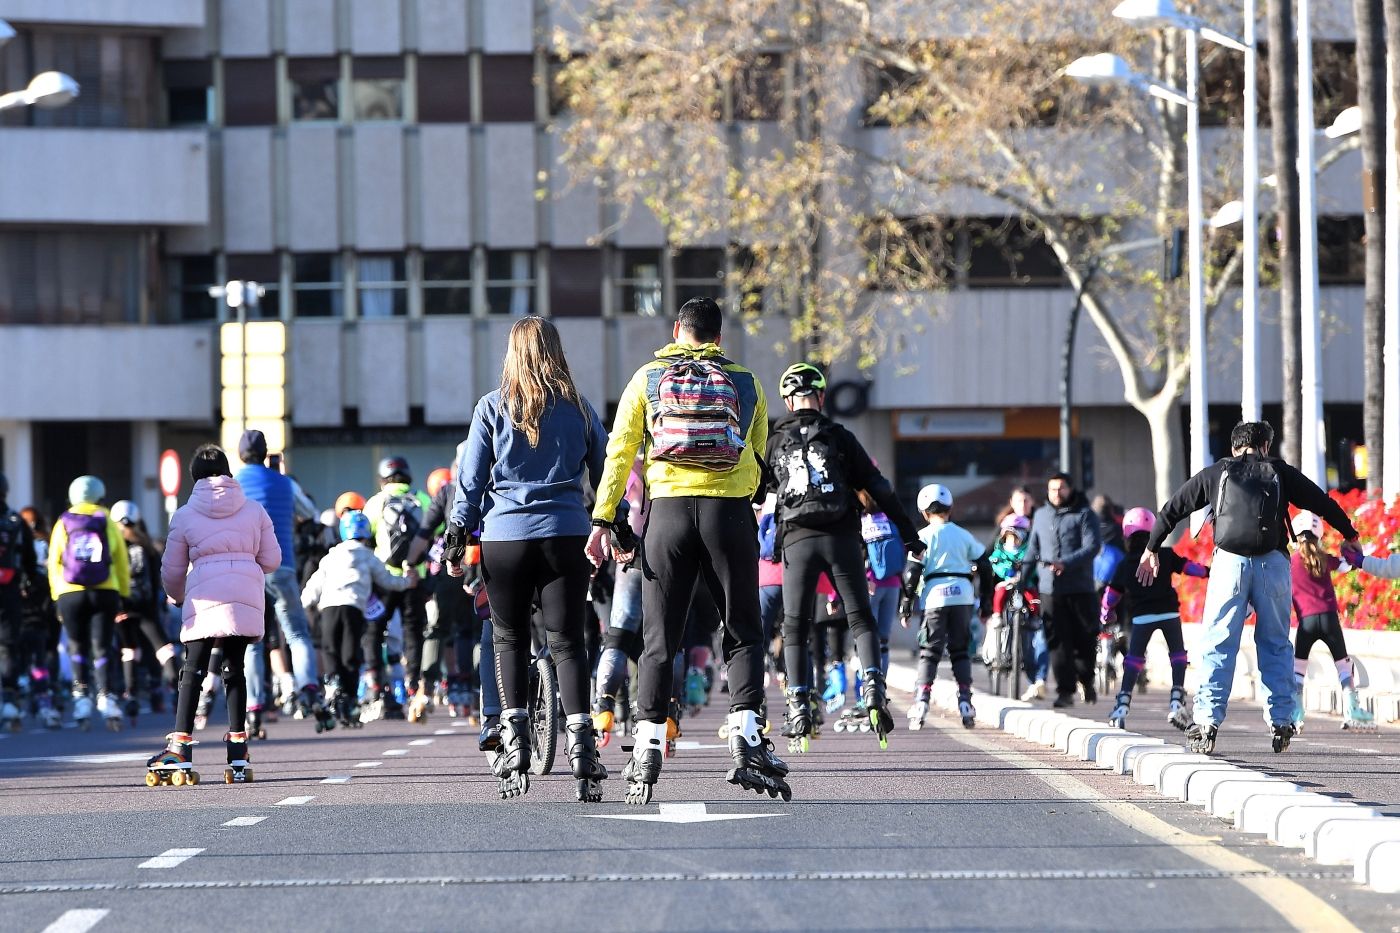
[583,758]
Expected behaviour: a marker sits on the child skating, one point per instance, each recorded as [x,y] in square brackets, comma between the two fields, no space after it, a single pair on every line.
[1315,604]
[220,546]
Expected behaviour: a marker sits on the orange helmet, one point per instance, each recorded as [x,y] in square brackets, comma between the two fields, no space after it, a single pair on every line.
[438,479]
[349,502]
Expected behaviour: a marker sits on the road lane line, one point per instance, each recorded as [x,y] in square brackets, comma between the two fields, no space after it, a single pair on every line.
[338,779]
[369,764]
[245,821]
[461,722]
[293,801]
[170,858]
[395,751]
[444,732]
[76,921]
[421,742]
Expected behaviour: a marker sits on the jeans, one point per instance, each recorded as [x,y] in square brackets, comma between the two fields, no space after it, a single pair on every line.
[1037,655]
[490,695]
[623,639]
[1236,585]
[885,604]
[296,632]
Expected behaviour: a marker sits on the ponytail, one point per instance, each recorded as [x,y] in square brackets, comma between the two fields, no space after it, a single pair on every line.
[1314,558]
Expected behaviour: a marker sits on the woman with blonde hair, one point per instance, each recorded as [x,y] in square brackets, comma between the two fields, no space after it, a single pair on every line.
[520,486]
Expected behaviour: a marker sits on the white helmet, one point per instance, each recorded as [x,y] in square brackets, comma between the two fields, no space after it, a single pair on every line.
[126,512]
[1307,522]
[935,494]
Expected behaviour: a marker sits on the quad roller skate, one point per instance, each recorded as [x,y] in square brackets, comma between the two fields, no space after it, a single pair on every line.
[835,694]
[111,711]
[1179,714]
[254,721]
[173,765]
[131,708]
[1298,711]
[604,717]
[966,711]
[1118,719]
[419,704]
[238,770]
[459,701]
[1201,737]
[511,761]
[797,724]
[583,758]
[756,768]
[643,766]
[877,706]
[1356,717]
[309,703]
[48,715]
[82,710]
[1282,736]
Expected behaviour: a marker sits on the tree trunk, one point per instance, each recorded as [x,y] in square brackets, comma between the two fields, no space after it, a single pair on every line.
[1371,94]
[1283,109]
[1163,414]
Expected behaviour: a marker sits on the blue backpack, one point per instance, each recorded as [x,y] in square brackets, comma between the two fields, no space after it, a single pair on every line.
[768,538]
[883,549]
[1106,564]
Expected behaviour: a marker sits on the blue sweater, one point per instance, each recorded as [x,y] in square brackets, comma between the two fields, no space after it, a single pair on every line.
[515,492]
[273,492]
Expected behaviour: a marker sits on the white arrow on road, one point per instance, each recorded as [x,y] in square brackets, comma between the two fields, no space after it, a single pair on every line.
[681,813]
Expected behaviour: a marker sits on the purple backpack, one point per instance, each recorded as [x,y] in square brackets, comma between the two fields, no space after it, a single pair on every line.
[87,561]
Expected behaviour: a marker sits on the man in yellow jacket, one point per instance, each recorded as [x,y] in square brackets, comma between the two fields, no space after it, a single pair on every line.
[701,420]
[88,576]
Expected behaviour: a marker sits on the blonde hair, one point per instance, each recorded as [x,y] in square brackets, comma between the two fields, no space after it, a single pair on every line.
[1313,556]
[534,374]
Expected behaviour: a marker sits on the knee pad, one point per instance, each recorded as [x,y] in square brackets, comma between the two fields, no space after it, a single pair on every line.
[1132,662]
[100,662]
[1178,657]
[165,653]
[130,654]
[232,677]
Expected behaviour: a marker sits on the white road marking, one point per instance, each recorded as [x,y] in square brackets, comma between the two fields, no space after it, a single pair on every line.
[81,759]
[293,801]
[444,732]
[681,813]
[461,722]
[395,751]
[688,744]
[369,764]
[170,858]
[338,778]
[76,921]
[421,742]
[245,821]
[1369,751]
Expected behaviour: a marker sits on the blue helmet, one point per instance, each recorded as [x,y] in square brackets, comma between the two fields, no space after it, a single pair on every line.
[353,525]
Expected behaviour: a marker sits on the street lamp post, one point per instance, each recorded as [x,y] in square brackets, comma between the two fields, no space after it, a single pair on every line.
[1314,440]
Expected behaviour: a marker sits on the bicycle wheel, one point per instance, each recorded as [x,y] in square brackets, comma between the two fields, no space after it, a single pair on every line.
[544,716]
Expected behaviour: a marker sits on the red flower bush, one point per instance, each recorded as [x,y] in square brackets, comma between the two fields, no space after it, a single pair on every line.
[1365,601]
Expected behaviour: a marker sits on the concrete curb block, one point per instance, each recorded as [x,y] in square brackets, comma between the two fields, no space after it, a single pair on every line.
[1380,868]
[1345,842]
[1084,743]
[1042,731]
[1059,737]
[1200,787]
[1174,780]
[1108,751]
[1228,797]
[1298,825]
[1259,814]
[1148,766]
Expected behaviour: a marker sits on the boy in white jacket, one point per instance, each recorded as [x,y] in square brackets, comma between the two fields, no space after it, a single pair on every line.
[340,588]
[1387,567]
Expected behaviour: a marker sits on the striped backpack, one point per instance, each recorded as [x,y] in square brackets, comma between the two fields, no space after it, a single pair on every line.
[696,420]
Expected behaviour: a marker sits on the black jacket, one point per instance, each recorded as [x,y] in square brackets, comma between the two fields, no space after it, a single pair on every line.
[1198,491]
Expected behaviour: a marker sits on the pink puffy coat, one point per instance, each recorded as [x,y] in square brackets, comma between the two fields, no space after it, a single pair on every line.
[219,547]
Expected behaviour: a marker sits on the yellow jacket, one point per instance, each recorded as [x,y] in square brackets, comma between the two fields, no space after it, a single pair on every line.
[631,431]
[120,577]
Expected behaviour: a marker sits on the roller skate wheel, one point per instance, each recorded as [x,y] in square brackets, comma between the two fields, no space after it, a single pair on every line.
[178,779]
[247,775]
[192,778]
[228,775]
[724,731]
[152,779]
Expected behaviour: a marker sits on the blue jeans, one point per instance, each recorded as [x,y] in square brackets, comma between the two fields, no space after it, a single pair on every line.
[1237,585]
[624,622]
[1037,660]
[296,632]
[490,692]
[884,604]
[770,611]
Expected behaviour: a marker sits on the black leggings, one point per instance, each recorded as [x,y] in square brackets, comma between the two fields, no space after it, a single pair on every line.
[87,618]
[946,627]
[413,614]
[692,540]
[804,561]
[1136,658]
[556,571]
[129,632]
[342,628]
[1324,627]
[197,657]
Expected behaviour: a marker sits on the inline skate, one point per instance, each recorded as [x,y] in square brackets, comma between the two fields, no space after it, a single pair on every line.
[604,717]
[1179,714]
[756,768]
[419,704]
[834,696]
[254,721]
[584,759]
[1298,711]
[1282,736]
[310,703]
[205,704]
[83,709]
[48,715]
[238,770]
[1201,737]
[696,692]
[110,711]
[918,710]
[1118,719]
[643,766]
[131,708]
[1355,716]
[511,761]
[966,710]
[877,705]
[174,764]
[797,724]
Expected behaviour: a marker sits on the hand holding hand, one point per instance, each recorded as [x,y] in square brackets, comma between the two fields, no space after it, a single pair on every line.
[599,546]
[1352,553]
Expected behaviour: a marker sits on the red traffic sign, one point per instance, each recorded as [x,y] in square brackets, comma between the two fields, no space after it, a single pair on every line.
[170,473]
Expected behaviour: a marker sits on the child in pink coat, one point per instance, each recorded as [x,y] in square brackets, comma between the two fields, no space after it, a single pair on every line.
[220,546]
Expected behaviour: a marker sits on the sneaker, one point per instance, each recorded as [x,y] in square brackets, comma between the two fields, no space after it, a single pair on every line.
[1035,691]
[1064,701]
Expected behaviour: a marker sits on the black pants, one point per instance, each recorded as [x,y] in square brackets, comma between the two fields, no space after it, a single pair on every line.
[946,628]
[709,540]
[1071,630]
[1136,659]
[197,657]
[130,631]
[11,627]
[556,572]
[413,615]
[342,629]
[843,560]
[87,618]
[1324,627]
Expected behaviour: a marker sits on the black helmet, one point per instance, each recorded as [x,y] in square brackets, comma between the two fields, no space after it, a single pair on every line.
[392,467]
[801,379]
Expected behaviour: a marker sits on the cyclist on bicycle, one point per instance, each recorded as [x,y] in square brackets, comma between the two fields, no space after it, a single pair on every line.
[1006,561]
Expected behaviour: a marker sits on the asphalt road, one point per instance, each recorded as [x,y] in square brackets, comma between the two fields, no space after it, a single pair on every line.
[396,826]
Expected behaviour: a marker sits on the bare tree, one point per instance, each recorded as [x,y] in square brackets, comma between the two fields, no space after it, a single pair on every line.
[1283,109]
[1371,93]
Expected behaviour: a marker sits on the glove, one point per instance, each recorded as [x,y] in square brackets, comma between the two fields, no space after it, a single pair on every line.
[1352,554]
[624,539]
[906,610]
[454,549]
[913,576]
[915,547]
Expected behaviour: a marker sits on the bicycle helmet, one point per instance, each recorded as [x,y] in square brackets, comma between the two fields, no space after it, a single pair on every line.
[438,479]
[87,489]
[1307,522]
[1016,523]
[391,468]
[354,526]
[935,494]
[126,512]
[349,502]
[1138,519]
[801,379]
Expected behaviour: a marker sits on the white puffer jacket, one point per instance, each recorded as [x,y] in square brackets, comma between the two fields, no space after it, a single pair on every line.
[345,577]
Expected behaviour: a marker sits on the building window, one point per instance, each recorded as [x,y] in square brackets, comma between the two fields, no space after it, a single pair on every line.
[508,88]
[756,90]
[59,277]
[910,253]
[188,84]
[883,84]
[377,88]
[575,283]
[315,88]
[1007,252]
[317,285]
[250,92]
[699,273]
[444,89]
[447,283]
[1341,250]
[1222,84]
[510,282]
[191,277]
[639,282]
[118,76]
[383,286]
[265,269]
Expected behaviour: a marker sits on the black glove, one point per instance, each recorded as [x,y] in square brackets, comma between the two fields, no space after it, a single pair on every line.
[913,576]
[907,605]
[454,549]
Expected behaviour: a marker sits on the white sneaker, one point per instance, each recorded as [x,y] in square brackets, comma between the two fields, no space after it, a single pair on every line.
[1035,691]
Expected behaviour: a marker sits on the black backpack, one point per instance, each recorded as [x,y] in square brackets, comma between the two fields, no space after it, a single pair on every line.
[1248,507]
[811,474]
[398,524]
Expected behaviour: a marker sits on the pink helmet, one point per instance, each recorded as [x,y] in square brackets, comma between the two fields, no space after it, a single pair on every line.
[1138,519]
[1016,523]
